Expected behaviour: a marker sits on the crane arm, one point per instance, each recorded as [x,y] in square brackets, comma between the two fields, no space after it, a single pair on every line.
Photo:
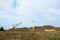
[18,24]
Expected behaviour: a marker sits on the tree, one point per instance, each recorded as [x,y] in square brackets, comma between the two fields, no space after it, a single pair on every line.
[1,29]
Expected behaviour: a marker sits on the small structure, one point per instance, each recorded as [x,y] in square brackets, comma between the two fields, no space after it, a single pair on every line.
[37,28]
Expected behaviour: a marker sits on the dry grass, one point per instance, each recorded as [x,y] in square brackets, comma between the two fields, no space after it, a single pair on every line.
[22,35]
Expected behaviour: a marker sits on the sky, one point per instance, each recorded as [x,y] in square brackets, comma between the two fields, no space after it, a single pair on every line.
[30,12]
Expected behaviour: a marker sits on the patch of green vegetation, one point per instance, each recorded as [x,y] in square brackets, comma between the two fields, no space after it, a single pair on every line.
[22,35]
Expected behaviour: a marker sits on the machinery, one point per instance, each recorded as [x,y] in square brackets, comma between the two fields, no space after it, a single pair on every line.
[14,26]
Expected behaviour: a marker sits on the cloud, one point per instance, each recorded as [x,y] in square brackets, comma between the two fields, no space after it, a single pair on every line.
[34,12]
[33,7]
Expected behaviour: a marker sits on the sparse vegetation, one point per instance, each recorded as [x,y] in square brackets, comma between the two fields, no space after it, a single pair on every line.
[25,35]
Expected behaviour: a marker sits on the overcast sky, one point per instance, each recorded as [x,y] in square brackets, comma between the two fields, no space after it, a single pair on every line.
[31,12]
